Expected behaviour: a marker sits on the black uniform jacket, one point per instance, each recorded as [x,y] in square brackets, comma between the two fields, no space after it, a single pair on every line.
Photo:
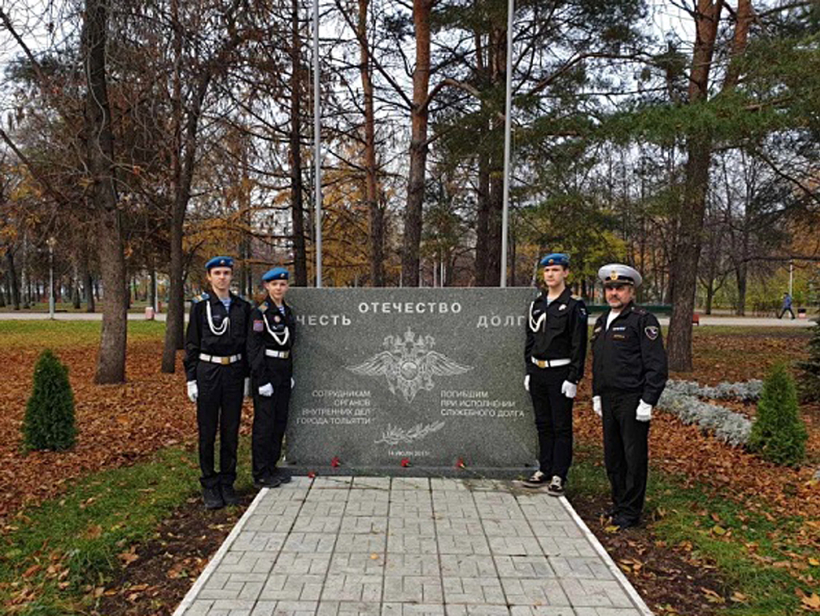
[270,369]
[557,331]
[201,339]
[629,356]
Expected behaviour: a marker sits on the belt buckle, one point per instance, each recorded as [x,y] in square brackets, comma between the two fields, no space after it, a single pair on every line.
[225,361]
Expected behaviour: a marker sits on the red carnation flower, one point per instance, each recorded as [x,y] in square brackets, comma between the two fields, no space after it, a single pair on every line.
[405,462]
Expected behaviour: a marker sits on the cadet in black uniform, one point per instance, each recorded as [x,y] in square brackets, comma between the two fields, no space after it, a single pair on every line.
[554,353]
[629,372]
[217,372]
[270,341]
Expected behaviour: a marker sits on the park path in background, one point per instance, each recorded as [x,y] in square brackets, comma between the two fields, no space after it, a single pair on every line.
[375,546]
[704,320]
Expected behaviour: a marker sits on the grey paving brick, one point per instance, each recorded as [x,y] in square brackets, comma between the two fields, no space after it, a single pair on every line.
[324,508]
[217,580]
[467,566]
[481,591]
[566,546]
[606,611]
[518,527]
[353,587]
[422,527]
[410,496]
[411,544]
[410,483]
[199,607]
[327,496]
[285,608]
[297,482]
[349,542]
[412,609]
[360,563]
[596,593]
[293,588]
[477,610]
[302,563]
[358,525]
[412,564]
[537,592]
[271,523]
[459,527]
[371,483]
[490,511]
[248,577]
[412,589]
[316,524]
[367,508]
[234,605]
[533,610]
[309,542]
[523,566]
[464,497]
[336,482]
[348,608]
[581,567]
[230,590]
[411,510]
[288,509]
[258,541]
[470,544]
[448,485]
[515,546]
[561,528]
[456,511]
[484,485]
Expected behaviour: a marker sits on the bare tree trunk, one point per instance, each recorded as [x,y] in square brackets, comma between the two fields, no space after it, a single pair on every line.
[371,170]
[13,287]
[482,228]
[419,116]
[691,214]
[111,358]
[296,185]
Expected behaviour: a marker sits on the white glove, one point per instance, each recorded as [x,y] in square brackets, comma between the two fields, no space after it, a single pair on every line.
[193,391]
[247,390]
[292,383]
[569,389]
[644,412]
[596,406]
[266,390]
[527,382]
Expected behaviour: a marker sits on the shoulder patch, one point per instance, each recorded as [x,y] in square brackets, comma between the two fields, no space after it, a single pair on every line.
[639,310]
[651,331]
[263,306]
[199,298]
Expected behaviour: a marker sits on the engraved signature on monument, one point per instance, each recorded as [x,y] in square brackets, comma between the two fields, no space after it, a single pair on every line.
[409,364]
[395,435]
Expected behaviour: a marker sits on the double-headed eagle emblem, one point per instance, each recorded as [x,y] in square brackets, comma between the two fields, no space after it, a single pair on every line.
[409,364]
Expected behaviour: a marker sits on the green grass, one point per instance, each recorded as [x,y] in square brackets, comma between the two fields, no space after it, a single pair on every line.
[770,590]
[59,334]
[39,307]
[86,528]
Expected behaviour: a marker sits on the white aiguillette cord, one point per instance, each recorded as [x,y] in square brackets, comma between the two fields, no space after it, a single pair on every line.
[534,325]
[218,331]
[279,340]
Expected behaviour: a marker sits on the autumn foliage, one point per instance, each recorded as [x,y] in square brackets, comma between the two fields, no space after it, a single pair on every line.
[49,420]
[778,433]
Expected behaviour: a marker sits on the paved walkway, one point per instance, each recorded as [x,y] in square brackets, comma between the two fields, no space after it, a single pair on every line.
[337,546]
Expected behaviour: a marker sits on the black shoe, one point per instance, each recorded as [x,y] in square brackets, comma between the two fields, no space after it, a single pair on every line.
[282,475]
[213,498]
[267,482]
[623,523]
[556,486]
[536,480]
[229,495]
[609,513]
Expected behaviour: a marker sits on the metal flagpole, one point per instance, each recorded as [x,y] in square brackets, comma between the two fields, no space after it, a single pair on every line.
[505,213]
[317,128]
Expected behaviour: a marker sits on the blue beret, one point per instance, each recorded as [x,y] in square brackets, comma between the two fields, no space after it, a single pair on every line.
[277,273]
[556,258]
[219,262]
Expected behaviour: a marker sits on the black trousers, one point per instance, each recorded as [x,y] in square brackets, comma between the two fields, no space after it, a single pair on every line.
[783,312]
[270,421]
[553,420]
[219,407]
[626,452]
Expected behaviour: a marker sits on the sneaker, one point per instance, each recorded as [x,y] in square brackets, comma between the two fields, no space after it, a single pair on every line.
[556,486]
[229,495]
[212,498]
[537,480]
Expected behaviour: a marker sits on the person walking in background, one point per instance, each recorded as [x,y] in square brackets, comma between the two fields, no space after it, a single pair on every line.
[217,371]
[554,354]
[787,305]
[629,373]
[270,341]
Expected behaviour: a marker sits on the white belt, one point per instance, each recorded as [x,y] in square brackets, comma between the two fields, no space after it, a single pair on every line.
[550,363]
[216,359]
[279,354]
